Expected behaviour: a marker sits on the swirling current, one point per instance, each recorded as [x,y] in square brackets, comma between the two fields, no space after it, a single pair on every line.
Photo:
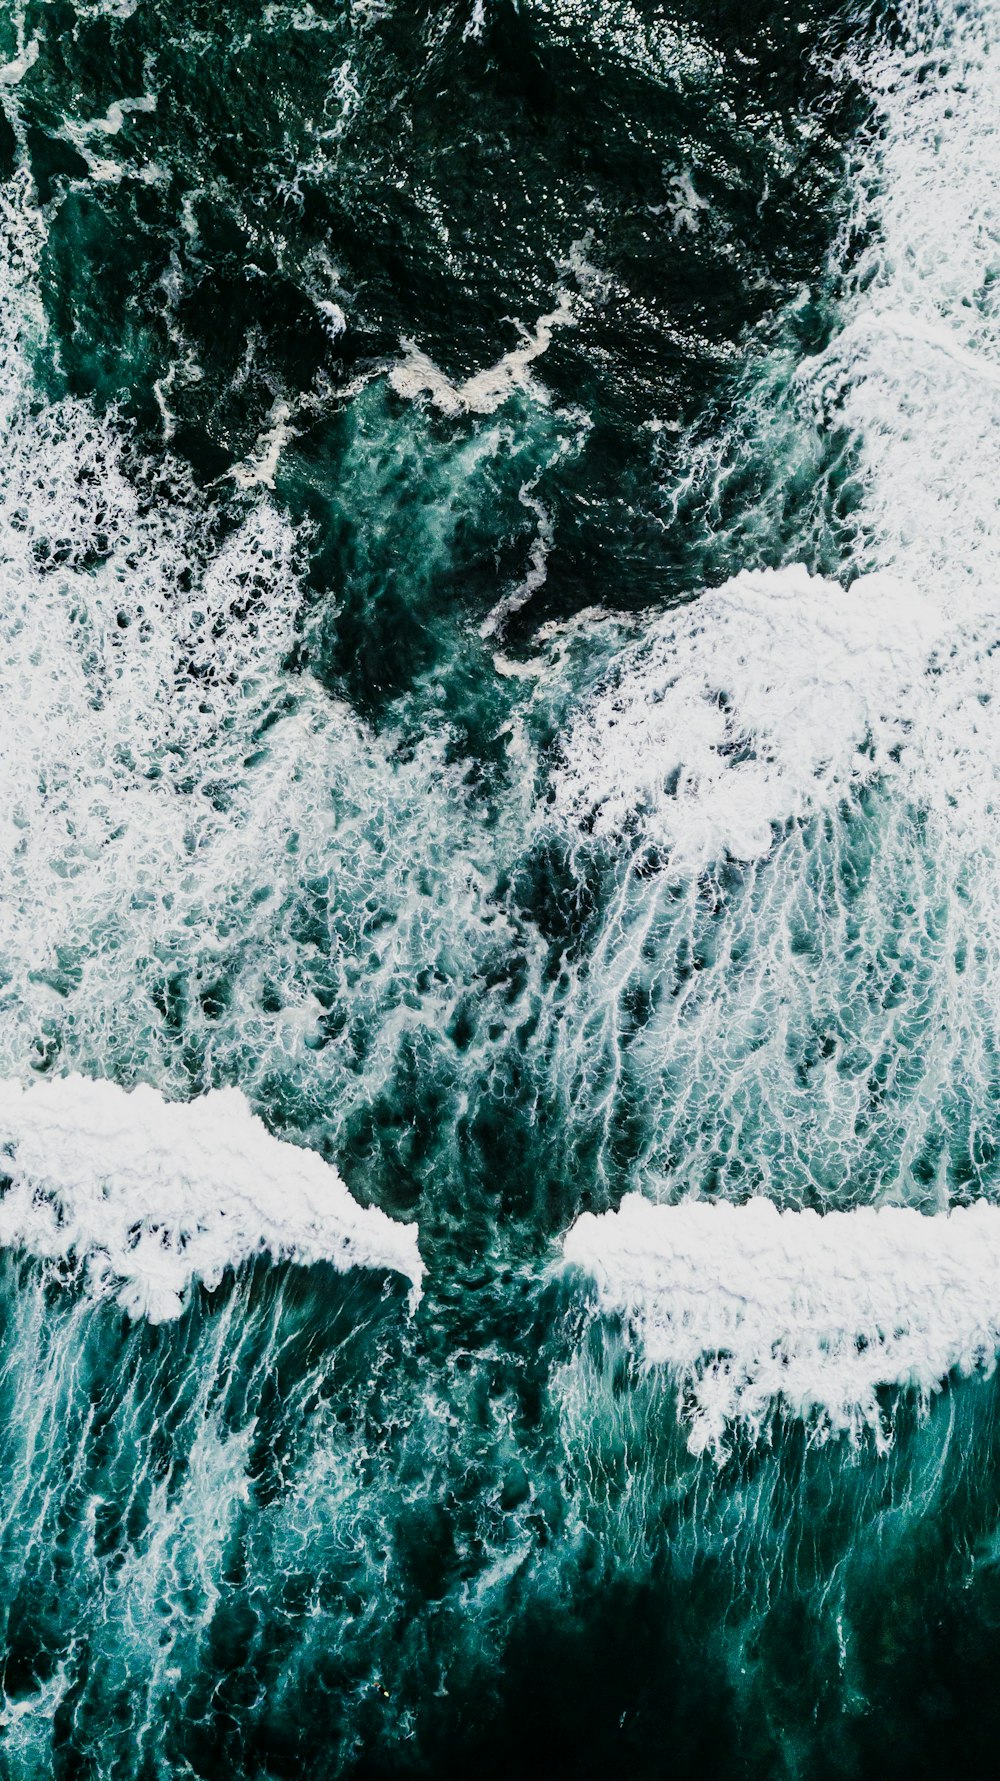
[499,889]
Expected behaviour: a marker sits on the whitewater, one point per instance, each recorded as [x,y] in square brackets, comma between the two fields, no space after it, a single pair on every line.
[759,1312]
[151,1195]
[726,726]
[499,929]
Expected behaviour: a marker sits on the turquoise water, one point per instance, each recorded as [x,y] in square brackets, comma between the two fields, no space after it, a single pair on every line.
[440,448]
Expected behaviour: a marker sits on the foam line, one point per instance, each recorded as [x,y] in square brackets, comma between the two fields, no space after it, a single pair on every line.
[154,1194]
[483,393]
[755,1309]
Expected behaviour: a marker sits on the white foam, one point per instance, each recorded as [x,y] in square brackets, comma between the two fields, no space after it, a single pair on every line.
[754,1309]
[763,700]
[538,564]
[827,1018]
[685,205]
[914,376]
[155,1194]
[100,166]
[476,24]
[176,806]
[261,468]
[483,392]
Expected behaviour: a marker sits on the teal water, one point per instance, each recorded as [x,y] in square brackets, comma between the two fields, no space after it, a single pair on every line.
[395,402]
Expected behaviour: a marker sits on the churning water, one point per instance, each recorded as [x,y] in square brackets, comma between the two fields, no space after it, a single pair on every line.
[499,889]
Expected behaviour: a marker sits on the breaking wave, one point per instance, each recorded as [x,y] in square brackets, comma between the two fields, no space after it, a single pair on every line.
[150,1196]
[758,1312]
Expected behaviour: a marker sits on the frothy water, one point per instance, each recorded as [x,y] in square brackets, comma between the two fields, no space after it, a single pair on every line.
[150,1196]
[497,609]
[756,1311]
[776,696]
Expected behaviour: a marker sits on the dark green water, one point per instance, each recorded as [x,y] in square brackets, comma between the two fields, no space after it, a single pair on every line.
[378,385]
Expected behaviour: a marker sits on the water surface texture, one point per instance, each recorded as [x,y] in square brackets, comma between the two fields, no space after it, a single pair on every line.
[499,889]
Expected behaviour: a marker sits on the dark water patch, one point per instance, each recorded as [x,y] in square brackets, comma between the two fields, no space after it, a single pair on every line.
[286,197]
[294,1532]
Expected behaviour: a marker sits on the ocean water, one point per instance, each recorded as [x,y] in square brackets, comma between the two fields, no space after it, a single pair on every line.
[499,889]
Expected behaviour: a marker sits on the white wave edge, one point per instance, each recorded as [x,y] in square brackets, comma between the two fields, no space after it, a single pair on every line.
[760,702]
[154,1194]
[754,1309]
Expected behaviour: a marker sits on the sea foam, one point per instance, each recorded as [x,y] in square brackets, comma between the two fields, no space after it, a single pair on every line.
[153,1195]
[823,1019]
[756,1310]
[415,374]
[760,702]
